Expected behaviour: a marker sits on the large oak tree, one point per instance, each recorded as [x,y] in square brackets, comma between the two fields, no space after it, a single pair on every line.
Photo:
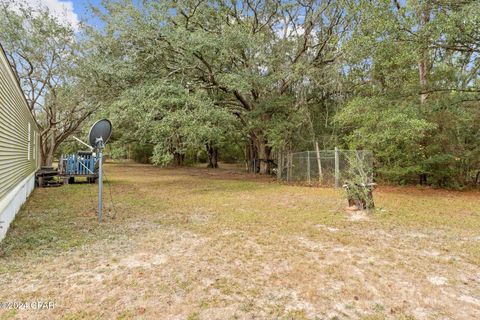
[44,53]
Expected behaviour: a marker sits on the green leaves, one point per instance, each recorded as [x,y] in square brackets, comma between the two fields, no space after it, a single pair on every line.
[415,97]
[399,78]
[394,130]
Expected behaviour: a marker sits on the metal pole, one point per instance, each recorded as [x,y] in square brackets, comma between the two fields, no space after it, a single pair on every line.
[337,168]
[100,184]
[319,163]
[308,167]
[279,165]
[88,146]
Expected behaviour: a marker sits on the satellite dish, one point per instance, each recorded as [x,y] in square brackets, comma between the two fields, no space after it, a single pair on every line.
[102,129]
[97,137]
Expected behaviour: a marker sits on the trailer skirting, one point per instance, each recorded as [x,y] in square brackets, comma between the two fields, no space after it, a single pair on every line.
[10,204]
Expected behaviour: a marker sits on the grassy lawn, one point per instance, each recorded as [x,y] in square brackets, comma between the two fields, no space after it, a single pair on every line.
[218,244]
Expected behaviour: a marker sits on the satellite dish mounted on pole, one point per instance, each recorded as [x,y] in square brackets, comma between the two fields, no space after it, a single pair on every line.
[97,137]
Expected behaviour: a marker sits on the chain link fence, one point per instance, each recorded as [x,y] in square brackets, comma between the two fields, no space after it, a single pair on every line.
[325,167]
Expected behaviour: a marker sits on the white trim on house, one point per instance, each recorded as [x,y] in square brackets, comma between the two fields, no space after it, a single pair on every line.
[11,203]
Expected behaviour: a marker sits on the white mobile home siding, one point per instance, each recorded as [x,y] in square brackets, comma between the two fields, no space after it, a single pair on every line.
[19,146]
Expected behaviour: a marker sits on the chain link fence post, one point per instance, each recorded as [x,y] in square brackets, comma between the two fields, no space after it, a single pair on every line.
[337,168]
[309,179]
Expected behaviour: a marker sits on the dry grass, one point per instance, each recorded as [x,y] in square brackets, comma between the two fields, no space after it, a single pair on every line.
[217,244]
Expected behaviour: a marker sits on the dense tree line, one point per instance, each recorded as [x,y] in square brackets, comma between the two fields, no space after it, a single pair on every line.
[415,70]
[201,80]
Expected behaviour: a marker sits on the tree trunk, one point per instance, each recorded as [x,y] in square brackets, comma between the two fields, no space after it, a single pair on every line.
[264,152]
[48,146]
[178,159]
[258,155]
[423,69]
[423,59]
[43,152]
[251,156]
[422,72]
[48,159]
[212,156]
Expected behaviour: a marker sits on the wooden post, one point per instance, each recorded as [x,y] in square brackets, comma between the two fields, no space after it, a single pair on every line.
[337,168]
[319,163]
